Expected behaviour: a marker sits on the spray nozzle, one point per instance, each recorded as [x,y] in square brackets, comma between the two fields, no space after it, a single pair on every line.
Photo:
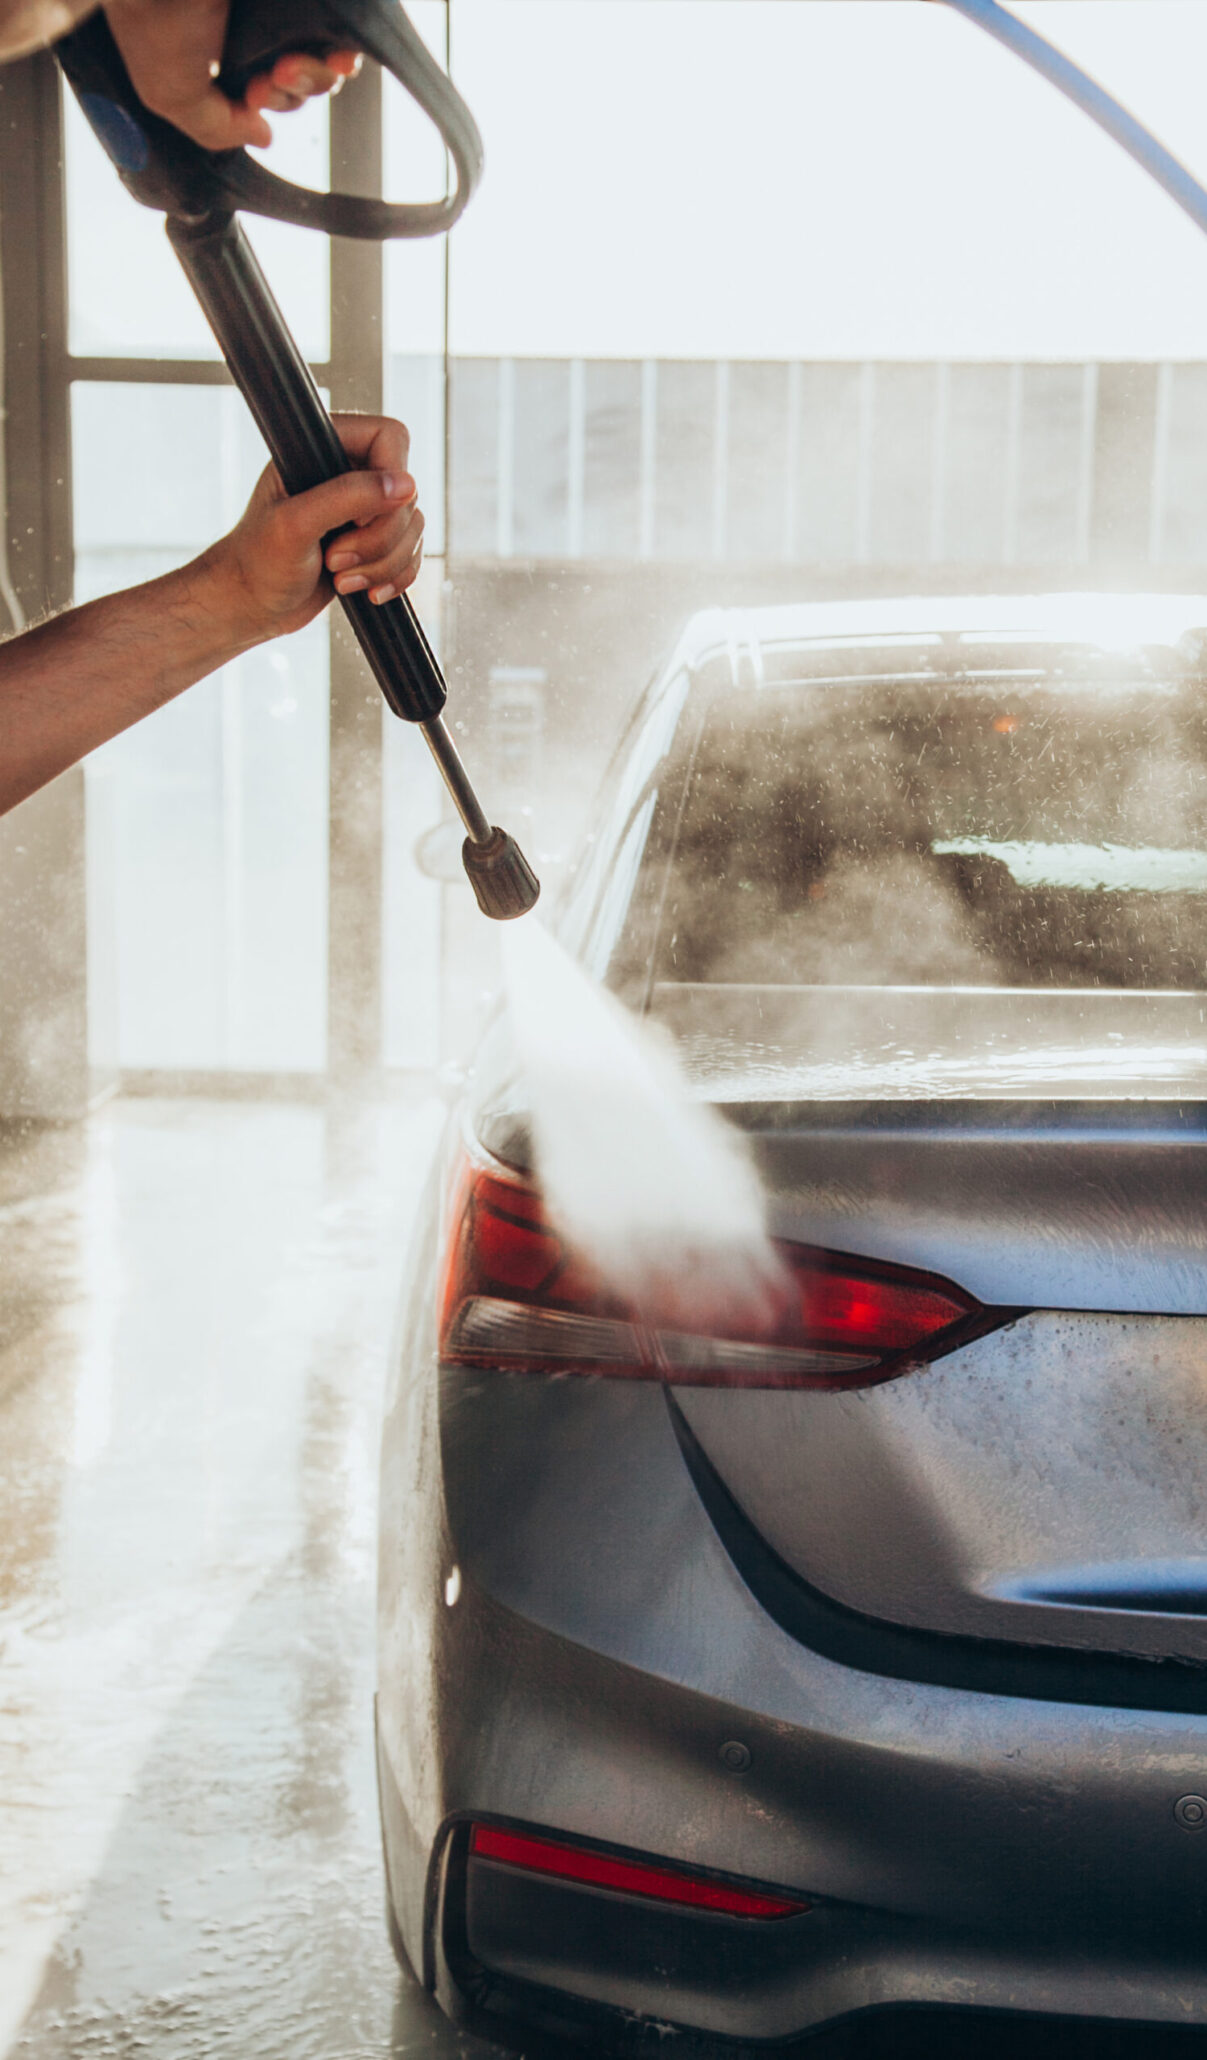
[498,872]
[500,876]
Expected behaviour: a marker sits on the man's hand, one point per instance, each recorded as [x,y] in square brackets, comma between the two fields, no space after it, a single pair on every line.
[75,681]
[172,49]
[271,576]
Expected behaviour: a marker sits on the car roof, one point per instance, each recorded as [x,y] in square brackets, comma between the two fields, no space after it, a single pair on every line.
[1105,621]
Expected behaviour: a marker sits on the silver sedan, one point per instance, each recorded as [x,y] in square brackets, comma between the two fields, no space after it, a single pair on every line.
[734,1683]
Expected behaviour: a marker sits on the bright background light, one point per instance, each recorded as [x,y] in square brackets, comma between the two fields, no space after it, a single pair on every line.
[746,179]
[831,178]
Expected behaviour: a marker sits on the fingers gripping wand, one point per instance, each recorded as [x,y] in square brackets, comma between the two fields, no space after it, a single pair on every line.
[200,192]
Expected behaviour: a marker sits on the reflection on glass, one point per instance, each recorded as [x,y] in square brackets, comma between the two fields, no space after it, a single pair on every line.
[207,822]
[415,169]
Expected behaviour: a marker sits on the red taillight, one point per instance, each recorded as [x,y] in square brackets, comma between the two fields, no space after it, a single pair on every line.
[516,1299]
[627,1877]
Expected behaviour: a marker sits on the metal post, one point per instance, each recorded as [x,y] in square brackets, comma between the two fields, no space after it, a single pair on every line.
[43,991]
[354,893]
[33,256]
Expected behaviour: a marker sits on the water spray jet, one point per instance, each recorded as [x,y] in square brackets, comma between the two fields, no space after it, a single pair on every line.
[651,1186]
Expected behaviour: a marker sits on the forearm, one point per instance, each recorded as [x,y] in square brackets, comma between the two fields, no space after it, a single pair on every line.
[81,678]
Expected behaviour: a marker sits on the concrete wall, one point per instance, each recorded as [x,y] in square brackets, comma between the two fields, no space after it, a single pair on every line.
[829,464]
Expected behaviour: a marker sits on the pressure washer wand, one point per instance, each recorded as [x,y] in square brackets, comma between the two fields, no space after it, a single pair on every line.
[199,191]
[276,382]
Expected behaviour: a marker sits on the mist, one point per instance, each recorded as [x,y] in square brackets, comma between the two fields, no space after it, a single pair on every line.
[646,1181]
[782,341]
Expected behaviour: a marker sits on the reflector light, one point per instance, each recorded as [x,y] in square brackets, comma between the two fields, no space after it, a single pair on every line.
[627,1877]
[515,1299]
[485,1324]
[685,1353]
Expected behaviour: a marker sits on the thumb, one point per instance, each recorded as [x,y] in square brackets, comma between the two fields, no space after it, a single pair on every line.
[355,497]
[221,124]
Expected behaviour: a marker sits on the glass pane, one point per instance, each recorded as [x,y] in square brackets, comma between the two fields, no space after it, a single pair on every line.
[414,169]
[411,904]
[414,391]
[208,821]
[129,297]
[414,907]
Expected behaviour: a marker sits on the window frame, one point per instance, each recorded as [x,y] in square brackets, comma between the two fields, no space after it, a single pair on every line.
[39,373]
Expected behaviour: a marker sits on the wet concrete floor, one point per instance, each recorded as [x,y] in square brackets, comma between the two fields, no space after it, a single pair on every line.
[194,1319]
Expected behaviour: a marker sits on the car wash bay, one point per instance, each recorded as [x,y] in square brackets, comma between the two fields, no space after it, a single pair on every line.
[228,990]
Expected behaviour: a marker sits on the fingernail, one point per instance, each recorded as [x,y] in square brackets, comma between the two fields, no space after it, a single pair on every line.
[380,594]
[341,561]
[351,583]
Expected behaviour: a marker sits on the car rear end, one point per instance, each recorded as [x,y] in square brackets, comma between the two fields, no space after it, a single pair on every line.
[735,1680]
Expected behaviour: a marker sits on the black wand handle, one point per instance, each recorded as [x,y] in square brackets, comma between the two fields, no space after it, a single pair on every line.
[276,383]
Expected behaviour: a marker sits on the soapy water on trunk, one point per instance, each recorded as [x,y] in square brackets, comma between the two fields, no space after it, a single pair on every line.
[652,1187]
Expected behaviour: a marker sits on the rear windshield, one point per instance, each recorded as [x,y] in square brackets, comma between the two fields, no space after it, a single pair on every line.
[1019,834]
[917,888]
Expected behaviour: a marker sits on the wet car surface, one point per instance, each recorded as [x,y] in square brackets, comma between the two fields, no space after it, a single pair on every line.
[743,1673]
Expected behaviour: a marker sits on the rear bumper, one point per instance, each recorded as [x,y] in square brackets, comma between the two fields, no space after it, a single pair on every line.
[981,1850]
[514,1954]
[507,1952]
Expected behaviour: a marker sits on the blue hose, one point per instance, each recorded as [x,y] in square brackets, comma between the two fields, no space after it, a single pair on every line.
[1075,84]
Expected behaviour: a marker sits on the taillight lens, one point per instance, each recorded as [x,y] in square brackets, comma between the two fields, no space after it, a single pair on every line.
[628,1877]
[516,1299]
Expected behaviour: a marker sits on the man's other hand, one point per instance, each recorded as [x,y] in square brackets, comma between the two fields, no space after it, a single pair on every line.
[172,49]
[271,575]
